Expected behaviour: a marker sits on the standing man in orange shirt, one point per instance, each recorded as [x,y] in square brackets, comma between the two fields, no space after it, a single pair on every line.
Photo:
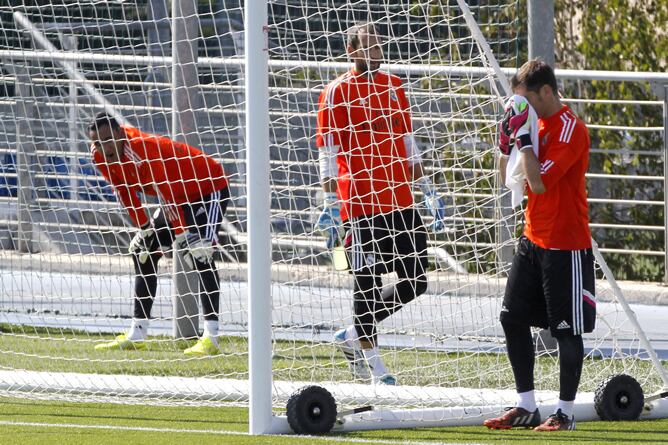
[193,194]
[551,282]
[368,161]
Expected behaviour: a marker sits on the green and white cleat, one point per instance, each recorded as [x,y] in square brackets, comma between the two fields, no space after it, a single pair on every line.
[205,346]
[121,342]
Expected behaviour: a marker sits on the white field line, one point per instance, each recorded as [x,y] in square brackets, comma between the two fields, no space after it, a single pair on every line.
[219,432]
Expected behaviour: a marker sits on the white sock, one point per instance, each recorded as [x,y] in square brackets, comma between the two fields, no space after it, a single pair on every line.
[375,362]
[527,400]
[138,329]
[211,330]
[566,407]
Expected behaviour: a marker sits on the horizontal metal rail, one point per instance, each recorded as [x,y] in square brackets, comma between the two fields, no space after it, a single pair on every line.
[238,63]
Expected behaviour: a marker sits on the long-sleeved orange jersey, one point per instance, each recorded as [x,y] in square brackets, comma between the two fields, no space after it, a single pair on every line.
[154,165]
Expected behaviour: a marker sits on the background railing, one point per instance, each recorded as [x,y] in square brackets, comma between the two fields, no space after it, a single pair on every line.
[65,176]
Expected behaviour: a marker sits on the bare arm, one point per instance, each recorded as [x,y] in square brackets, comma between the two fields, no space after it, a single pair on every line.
[329,185]
[531,167]
[416,171]
[503,163]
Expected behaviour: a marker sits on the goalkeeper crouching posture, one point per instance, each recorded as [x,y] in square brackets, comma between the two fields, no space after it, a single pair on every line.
[193,193]
[368,162]
[551,281]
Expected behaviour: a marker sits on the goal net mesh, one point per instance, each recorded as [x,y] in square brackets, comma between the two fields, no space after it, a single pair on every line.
[67,279]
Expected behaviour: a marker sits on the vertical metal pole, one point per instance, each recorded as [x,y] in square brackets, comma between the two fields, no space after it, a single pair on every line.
[70,44]
[240,147]
[541,45]
[665,184]
[259,242]
[185,34]
[159,40]
[541,30]
[25,150]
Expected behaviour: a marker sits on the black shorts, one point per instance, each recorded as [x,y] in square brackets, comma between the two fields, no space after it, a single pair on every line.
[203,217]
[552,289]
[380,243]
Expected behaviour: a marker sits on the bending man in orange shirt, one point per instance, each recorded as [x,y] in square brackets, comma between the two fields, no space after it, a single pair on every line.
[551,281]
[368,162]
[193,194]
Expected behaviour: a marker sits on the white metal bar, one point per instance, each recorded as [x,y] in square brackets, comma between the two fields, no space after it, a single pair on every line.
[259,237]
[233,62]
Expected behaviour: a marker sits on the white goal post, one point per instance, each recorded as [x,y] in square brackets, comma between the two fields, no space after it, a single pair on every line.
[260,72]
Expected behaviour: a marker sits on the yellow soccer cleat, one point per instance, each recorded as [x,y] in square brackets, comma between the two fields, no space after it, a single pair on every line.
[121,342]
[205,346]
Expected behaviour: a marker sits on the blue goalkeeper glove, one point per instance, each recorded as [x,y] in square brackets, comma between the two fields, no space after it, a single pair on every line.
[329,221]
[434,204]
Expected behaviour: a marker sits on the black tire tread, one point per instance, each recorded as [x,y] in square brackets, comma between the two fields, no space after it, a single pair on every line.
[298,422]
[606,393]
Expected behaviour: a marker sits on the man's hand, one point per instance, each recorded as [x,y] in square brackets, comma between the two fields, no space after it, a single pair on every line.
[434,204]
[142,242]
[329,221]
[505,141]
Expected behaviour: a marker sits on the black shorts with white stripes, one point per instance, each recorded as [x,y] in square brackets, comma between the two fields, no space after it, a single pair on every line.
[383,243]
[552,289]
[203,217]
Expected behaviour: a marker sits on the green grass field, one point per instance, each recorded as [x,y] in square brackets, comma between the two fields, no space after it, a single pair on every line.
[41,422]
[59,350]
[26,421]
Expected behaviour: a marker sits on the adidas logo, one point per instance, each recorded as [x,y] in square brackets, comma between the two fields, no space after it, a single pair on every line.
[200,211]
[563,325]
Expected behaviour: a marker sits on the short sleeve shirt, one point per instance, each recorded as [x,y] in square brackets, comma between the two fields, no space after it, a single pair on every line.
[559,218]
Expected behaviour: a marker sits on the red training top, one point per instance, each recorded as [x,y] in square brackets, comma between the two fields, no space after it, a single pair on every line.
[559,218]
[364,120]
[158,166]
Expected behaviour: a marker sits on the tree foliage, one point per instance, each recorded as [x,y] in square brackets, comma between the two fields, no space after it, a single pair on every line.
[620,35]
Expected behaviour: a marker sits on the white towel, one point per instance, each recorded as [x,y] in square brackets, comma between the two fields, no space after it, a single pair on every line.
[515,178]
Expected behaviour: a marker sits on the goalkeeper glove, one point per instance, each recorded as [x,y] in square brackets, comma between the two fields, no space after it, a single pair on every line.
[515,125]
[194,248]
[329,222]
[434,204]
[142,243]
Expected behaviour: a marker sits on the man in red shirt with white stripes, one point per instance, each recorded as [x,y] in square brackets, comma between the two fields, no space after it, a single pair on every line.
[551,282]
[193,193]
[369,160]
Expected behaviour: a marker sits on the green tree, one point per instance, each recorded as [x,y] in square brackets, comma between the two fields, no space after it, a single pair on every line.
[620,35]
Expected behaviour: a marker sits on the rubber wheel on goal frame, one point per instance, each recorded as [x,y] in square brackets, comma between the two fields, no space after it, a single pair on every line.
[619,397]
[311,410]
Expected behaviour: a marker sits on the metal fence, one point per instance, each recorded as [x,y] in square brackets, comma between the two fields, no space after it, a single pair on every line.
[67,176]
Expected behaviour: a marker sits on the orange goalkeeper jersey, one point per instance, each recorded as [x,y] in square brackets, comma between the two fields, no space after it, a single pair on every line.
[559,218]
[364,120]
[158,166]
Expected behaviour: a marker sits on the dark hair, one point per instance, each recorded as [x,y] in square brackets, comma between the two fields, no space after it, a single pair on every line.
[533,75]
[102,119]
[353,33]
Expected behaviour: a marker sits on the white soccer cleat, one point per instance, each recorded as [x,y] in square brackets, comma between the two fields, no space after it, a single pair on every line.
[356,361]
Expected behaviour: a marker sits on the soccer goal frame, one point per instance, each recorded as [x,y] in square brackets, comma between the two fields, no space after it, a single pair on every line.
[261,417]
[438,406]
